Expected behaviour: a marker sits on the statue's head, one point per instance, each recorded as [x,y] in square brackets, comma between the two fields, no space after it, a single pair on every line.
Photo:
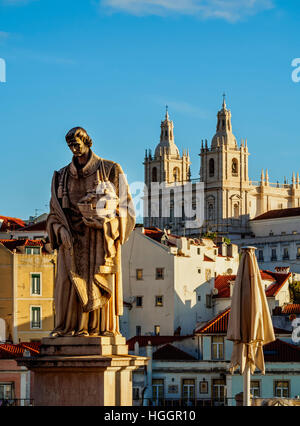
[78,141]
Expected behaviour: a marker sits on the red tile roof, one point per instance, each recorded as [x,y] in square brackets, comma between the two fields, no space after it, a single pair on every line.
[292,308]
[14,244]
[219,324]
[154,233]
[9,351]
[171,353]
[216,325]
[280,351]
[155,340]
[279,213]
[222,283]
[10,223]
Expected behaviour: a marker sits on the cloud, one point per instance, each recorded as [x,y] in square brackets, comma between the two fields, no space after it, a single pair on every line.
[229,10]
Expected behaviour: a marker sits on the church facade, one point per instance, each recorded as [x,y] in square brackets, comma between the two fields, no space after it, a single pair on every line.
[230,198]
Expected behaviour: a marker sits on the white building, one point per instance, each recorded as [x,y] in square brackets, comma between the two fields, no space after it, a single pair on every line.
[168,281]
[276,235]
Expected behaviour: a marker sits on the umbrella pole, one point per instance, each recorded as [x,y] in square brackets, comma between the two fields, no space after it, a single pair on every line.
[246,393]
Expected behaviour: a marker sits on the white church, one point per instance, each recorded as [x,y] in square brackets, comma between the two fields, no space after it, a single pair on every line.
[230,199]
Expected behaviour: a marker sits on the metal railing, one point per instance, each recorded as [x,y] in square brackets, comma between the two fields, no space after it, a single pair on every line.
[182,402]
[16,402]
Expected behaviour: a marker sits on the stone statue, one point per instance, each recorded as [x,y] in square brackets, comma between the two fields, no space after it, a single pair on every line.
[91,215]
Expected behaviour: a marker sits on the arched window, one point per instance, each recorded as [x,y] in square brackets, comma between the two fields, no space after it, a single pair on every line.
[236,211]
[210,211]
[211,167]
[176,174]
[235,169]
[154,174]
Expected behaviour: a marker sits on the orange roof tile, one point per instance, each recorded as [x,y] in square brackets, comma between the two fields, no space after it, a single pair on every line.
[216,325]
[222,283]
[10,223]
[8,350]
[219,325]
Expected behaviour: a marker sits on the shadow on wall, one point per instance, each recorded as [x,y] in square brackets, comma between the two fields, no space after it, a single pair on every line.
[187,316]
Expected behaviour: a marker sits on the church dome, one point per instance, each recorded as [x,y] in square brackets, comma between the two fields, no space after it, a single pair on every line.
[224,135]
[167,143]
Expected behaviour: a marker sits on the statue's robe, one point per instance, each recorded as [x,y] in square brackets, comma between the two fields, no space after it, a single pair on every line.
[88,292]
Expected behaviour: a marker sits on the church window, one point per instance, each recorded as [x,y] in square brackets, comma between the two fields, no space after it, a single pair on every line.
[171,135]
[176,174]
[211,167]
[223,124]
[166,133]
[154,174]
[236,211]
[234,167]
[210,212]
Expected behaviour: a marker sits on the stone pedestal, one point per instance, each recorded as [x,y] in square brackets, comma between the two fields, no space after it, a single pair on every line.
[83,371]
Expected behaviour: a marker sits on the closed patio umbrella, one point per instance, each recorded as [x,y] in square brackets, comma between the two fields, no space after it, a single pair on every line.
[250,325]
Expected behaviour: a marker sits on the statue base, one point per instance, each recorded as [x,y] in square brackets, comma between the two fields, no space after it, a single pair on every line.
[83,371]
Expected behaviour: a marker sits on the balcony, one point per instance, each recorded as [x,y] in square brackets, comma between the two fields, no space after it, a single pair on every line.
[192,402]
[16,402]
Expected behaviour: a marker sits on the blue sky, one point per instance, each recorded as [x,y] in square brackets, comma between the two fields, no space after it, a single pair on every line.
[111,66]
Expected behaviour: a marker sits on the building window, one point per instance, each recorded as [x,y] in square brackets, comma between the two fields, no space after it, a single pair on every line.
[207,274]
[208,301]
[199,298]
[298,252]
[138,330]
[198,251]
[255,388]
[210,211]
[217,349]
[159,273]
[286,255]
[139,274]
[157,330]
[158,391]
[139,301]
[236,211]
[176,174]
[219,390]
[154,174]
[260,255]
[235,167]
[159,301]
[282,389]
[274,254]
[36,317]
[188,391]
[6,391]
[211,167]
[32,250]
[199,270]
[36,284]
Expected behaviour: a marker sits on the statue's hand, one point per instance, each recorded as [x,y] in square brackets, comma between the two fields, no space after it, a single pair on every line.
[93,223]
[65,238]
